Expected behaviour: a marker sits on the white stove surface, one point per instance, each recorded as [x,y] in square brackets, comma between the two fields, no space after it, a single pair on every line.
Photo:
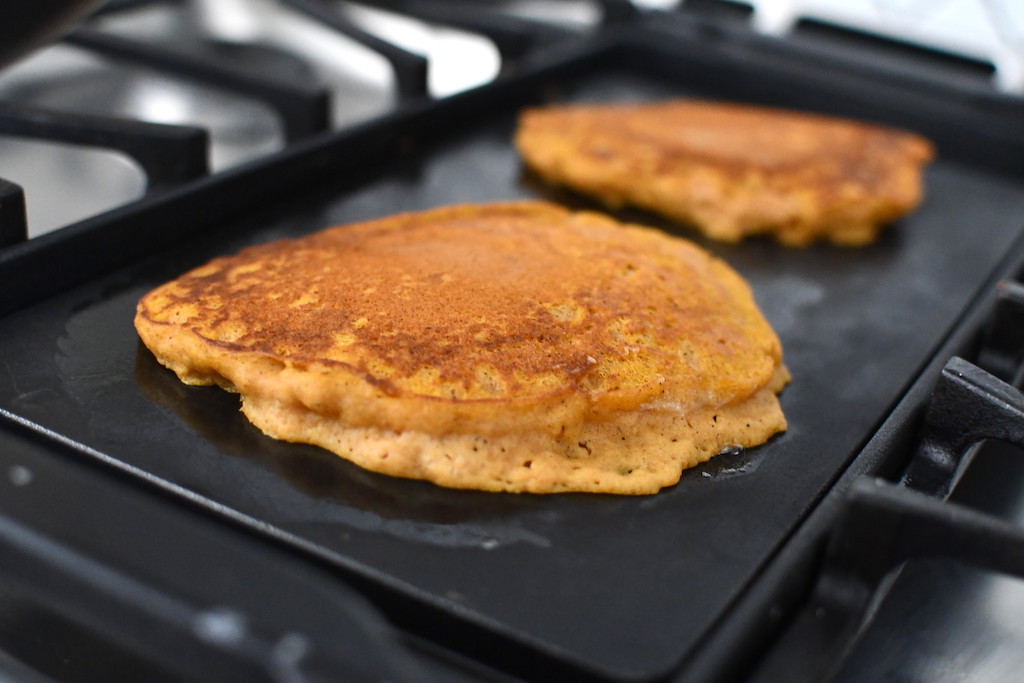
[987,30]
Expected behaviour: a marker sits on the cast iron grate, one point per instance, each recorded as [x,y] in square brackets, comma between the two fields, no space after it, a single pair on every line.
[882,525]
[283,82]
[168,155]
[303,109]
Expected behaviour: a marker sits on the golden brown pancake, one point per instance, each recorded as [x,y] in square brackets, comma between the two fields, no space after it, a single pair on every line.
[503,347]
[732,170]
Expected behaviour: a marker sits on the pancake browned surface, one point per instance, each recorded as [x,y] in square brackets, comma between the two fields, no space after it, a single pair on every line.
[732,170]
[512,347]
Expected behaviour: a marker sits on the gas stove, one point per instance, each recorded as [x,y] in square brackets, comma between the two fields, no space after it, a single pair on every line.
[252,77]
[149,533]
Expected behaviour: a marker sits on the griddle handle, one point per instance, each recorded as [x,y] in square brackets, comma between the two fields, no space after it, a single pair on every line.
[410,69]
[967,406]
[880,527]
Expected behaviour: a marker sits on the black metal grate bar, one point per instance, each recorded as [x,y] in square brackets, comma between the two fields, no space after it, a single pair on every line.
[513,36]
[614,11]
[967,406]
[169,155]
[303,110]
[115,6]
[410,69]
[881,527]
[1002,348]
[13,221]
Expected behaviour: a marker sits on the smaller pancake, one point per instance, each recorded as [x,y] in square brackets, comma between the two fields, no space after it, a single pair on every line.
[503,347]
[732,170]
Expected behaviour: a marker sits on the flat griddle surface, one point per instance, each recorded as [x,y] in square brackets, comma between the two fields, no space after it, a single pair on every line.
[621,585]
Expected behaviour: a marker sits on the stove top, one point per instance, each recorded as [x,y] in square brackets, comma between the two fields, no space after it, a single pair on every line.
[217,554]
[255,76]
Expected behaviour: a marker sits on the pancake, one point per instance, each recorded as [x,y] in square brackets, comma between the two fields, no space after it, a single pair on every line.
[502,347]
[732,170]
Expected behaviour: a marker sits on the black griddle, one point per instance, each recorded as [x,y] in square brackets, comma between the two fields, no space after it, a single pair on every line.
[587,585]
